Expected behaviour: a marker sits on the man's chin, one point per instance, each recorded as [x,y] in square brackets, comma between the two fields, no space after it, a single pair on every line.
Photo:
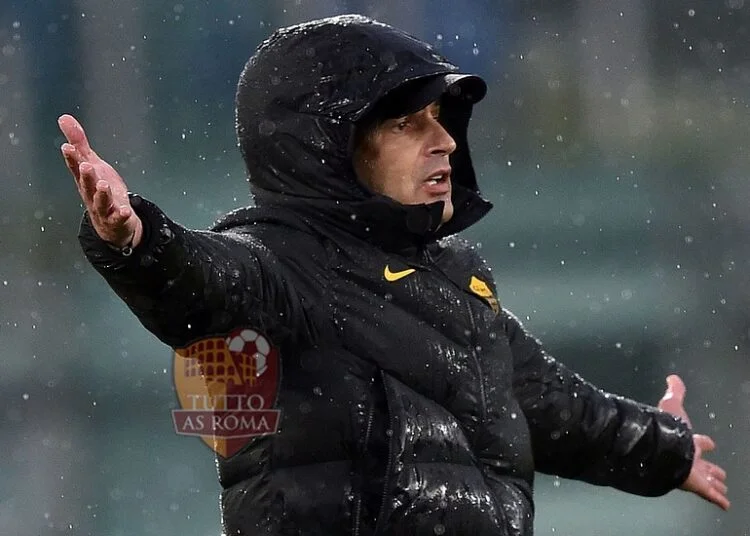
[447,213]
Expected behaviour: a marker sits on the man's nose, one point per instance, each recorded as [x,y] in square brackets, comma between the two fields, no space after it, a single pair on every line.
[442,141]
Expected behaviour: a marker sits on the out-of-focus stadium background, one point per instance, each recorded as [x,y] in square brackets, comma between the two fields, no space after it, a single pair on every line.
[613,142]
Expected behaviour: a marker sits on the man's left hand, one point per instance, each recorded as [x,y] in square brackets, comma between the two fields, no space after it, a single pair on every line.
[705,479]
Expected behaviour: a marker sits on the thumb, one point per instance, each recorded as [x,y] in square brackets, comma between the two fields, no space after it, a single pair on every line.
[675,389]
[674,397]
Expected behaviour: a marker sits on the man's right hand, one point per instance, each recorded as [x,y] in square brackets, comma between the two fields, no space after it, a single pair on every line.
[104,193]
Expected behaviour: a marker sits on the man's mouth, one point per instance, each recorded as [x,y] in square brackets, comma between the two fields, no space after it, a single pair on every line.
[437,179]
[439,182]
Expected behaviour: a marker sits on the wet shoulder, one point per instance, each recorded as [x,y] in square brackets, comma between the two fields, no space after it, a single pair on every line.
[455,250]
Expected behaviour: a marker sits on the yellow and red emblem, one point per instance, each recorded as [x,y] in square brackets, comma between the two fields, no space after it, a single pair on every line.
[227,388]
[481,289]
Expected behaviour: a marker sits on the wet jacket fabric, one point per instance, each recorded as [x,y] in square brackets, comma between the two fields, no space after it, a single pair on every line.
[411,404]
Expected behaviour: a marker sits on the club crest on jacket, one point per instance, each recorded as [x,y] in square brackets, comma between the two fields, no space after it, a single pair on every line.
[481,289]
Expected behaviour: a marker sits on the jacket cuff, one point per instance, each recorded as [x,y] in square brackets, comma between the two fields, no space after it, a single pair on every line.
[158,234]
[680,452]
[669,462]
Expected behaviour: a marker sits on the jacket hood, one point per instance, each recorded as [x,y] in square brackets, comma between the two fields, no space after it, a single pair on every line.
[299,99]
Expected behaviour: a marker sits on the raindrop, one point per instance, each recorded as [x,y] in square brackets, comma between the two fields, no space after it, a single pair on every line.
[266,127]
[691,12]
[439,529]
[317,390]
[25,396]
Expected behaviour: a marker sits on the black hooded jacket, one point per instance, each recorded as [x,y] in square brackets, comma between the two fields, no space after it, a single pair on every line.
[415,405]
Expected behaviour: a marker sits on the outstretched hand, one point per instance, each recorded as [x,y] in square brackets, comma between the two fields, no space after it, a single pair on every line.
[705,479]
[104,192]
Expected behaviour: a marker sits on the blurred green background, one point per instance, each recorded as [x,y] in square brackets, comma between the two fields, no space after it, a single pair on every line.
[613,142]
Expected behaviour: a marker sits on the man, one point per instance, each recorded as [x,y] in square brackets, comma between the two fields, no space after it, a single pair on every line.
[411,402]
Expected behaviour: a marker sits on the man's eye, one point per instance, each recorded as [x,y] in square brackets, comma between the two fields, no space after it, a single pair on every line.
[402,124]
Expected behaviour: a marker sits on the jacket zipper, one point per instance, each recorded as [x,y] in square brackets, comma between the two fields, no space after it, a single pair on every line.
[358,506]
[389,463]
[474,354]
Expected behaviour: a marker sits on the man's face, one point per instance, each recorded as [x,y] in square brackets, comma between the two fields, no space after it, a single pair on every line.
[406,159]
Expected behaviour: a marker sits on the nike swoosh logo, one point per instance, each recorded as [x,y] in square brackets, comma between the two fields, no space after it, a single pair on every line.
[395,276]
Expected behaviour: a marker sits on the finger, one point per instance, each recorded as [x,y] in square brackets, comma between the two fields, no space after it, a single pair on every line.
[68,155]
[102,200]
[711,472]
[718,473]
[74,133]
[72,159]
[717,485]
[87,183]
[712,490]
[124,212]
[719,499]
[704,442]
